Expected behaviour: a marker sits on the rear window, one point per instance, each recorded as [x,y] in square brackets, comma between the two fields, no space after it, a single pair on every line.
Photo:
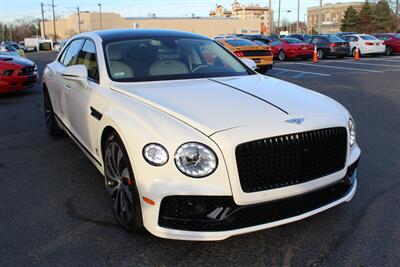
[368,37]
[293,40]
[240,42]
[334,38]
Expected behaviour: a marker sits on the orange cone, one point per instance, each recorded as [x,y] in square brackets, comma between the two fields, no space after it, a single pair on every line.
[315,55]
[357,55]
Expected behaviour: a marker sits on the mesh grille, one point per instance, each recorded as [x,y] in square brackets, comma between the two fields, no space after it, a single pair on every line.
[290,159]
[256,53]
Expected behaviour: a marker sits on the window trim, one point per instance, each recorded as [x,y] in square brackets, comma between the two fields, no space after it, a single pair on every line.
[97,61]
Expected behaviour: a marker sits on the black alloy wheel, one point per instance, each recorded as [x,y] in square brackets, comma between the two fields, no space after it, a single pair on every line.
[121,185]
[51,124]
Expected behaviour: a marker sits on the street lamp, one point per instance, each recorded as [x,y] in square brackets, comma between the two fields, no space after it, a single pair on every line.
[101,26]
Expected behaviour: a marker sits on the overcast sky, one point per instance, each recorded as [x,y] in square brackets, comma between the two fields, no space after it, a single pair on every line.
[13,9]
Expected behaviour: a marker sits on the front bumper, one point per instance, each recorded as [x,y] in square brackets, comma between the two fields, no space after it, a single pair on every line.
[218,217]
[12,83]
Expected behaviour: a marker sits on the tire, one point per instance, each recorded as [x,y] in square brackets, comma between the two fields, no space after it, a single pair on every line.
[51,124]
[121,185]
[321,54]
[281,55]
[388,51]
[262,71]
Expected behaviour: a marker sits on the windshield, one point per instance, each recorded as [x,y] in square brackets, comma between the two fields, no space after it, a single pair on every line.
[336,39]
[368,37]
[293,41]
[170,58]
[240,42]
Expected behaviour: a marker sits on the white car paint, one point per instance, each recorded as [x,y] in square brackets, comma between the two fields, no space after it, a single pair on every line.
[370,46]
[218,112]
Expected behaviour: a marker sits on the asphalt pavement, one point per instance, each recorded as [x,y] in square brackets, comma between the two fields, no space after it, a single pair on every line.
[54,209]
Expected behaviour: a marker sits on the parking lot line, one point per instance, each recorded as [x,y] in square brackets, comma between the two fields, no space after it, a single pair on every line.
[304,72]
[367,63]
[335,67]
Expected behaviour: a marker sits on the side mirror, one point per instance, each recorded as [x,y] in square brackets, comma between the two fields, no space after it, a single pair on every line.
[77,73]
[249,63]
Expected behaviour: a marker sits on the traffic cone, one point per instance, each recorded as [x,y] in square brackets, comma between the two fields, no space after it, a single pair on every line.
[315,55]
[357,55]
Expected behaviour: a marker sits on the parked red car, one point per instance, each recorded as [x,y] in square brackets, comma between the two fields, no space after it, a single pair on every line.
[392,42]
[16,73]
[285,48]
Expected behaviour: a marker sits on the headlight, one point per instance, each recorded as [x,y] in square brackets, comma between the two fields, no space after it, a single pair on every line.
[7,72]
[352,132]
[195,160]
[155,154]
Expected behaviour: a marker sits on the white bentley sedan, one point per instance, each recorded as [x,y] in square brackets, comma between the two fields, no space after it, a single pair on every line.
[194,144]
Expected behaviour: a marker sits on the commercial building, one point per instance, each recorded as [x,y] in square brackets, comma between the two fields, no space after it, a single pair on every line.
[245,13]
[332,16]
[209,26]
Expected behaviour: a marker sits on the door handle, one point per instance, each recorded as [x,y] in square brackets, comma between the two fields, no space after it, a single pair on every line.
[67,88]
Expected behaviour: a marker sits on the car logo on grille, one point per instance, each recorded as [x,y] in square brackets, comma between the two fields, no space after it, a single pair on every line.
[297,121]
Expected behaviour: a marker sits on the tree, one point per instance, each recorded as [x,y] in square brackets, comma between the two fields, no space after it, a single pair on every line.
[383,17]
[366,24]
[351,20]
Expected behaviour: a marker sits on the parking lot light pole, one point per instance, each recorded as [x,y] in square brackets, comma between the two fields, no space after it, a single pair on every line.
[54,22]
[279,17]
[298,16]
[101,24]
[320,17]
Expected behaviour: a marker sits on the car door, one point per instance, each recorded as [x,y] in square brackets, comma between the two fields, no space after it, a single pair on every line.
[353,41]
[276,46]
[82,102]
[58,82]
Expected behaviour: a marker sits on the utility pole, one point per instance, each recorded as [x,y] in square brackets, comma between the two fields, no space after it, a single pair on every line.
[270,17]
[279,17]
[43,29]
[320,17]
[54,21]
[397,7]
[101,24]
[298,16]
[79,19]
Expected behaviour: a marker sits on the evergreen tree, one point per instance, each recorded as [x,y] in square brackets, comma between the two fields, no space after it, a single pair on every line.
[366,24]
[383,18]
[351,20]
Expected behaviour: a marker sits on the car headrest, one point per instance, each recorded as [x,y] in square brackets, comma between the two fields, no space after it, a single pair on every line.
[168,67]
[114,55]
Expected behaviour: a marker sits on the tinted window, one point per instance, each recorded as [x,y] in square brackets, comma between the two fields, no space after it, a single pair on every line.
[240,42]
[336,39]
[398,35]
[169,58]
[72,52]
[293,41]
[276,42]
[259,43]
[368,37]
[87,57]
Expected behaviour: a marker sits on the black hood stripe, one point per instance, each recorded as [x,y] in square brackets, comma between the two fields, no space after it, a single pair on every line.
[233,87]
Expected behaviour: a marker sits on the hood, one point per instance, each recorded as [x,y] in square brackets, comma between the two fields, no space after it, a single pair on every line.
[16,60]
[218,104]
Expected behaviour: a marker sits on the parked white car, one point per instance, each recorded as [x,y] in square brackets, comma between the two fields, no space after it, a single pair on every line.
[367,44]
[194,144]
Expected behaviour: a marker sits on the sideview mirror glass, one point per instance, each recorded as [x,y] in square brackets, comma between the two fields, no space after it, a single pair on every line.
[249,63]
[76,73]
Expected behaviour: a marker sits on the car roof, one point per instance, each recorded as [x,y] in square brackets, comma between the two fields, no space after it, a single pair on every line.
[124,34]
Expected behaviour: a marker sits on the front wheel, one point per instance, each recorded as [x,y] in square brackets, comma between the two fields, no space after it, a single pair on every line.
[321,54]
[388,51]
[51,124]
[281,55]
[121,185]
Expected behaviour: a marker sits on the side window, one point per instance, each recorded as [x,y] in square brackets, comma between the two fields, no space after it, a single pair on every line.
[314,40]
[72,52]
[87,57]
[61,59]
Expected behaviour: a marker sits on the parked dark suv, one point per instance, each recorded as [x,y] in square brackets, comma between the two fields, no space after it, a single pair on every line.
[330,45]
